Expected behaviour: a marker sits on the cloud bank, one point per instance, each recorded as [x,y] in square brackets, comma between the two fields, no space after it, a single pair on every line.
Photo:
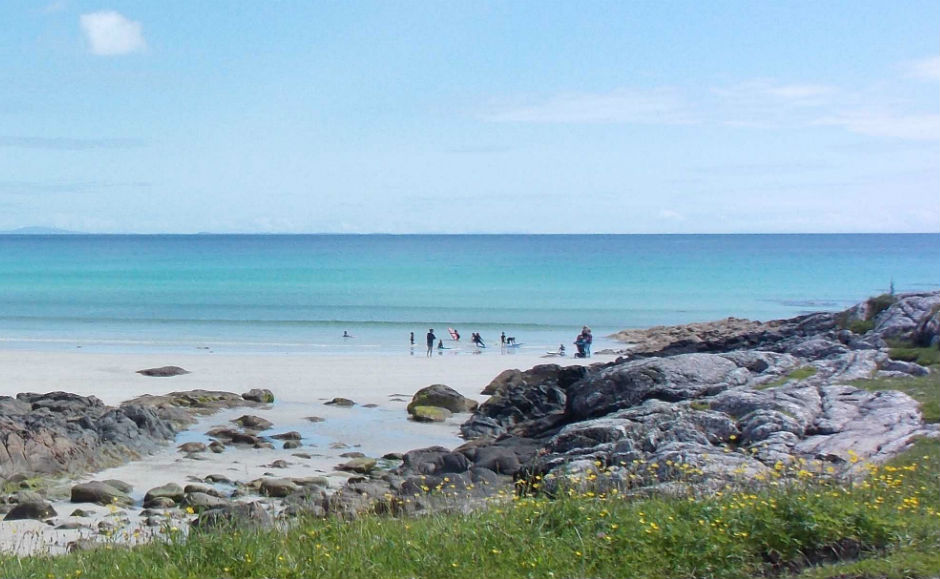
[109,33]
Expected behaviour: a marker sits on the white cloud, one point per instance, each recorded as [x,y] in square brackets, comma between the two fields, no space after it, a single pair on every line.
[109,33]
[762,94]
[923,127]
[660,106]
[925,69]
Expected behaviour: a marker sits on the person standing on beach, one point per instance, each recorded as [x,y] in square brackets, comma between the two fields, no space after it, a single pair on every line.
[586,339]
[431,337]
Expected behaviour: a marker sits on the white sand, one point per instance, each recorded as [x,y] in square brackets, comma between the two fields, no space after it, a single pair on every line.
[301,385]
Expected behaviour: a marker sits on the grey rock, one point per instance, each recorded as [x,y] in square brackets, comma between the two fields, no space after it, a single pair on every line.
[261,395]
[362,465]
[189,447]
[119,485]
[253,423]
[343,402]
[164,371]
[912,317]
[200,501]
[99,493]
[904,367]
[277,487]
[31,510]
[170,490]
[201,488]
[817,349]
[234,516]
[159,503]
[681,377]
[292,435]
[441,396]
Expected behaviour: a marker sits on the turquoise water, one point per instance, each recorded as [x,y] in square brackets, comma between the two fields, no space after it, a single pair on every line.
[298,293]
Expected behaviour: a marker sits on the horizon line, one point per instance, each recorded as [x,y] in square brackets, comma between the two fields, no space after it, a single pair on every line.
[43,231]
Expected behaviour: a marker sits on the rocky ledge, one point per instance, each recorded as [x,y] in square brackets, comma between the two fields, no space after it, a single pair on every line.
[58,433]
[694,408]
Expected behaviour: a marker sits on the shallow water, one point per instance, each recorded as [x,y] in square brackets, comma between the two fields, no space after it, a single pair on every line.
[299,293]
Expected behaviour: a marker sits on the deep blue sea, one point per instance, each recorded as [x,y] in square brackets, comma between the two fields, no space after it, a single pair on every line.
[299,293]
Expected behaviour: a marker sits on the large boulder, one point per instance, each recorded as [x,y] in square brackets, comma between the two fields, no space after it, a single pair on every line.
[530,404]
[63,433]
[170,491]
[912,317]
[442,396]
[37,510]
[100,493]
[682,377]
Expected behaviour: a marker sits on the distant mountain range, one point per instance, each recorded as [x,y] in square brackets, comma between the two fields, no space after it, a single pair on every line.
[38,231]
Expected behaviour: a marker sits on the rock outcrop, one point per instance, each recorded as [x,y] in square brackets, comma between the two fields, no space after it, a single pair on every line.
[62,433]
[694,408]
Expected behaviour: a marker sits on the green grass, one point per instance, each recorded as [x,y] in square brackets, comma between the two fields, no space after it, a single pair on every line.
[923,356]
[887,524]
[878,304]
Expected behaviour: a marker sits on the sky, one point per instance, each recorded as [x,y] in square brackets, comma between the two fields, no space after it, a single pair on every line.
[470,116]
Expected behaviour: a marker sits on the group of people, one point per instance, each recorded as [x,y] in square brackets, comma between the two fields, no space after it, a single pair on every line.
[431,338]
[583,343]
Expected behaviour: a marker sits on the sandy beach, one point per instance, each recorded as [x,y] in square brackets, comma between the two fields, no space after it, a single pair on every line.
[381,386]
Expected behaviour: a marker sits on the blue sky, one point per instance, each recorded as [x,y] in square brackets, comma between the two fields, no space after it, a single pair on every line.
[413,117]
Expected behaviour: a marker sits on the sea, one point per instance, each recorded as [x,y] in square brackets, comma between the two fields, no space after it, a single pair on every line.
[299,294]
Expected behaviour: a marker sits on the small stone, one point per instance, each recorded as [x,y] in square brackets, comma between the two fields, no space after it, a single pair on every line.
[253,422]
[262,395]
[292,435]
[277,487]
[163,371]
[362,465]
[343,402]
[189,447]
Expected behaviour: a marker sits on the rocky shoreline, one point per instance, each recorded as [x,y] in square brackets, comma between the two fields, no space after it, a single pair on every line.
[683,409]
